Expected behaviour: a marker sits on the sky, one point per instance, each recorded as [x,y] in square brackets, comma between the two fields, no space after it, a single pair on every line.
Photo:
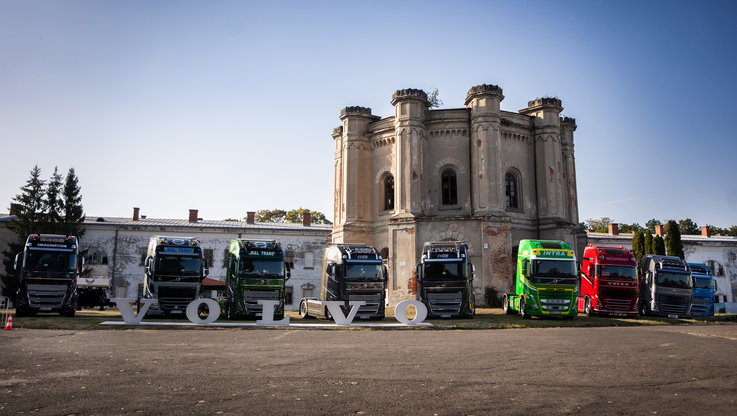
[229,106]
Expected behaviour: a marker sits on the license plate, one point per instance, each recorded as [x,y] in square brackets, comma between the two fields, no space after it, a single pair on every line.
[555,312]
[176,311]
[445,316]
[259,314]
[363,317]
[45,308]
[673,316]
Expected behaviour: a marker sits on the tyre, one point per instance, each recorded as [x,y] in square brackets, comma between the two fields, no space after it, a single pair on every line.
[328,315]
[644,309]
[303,310]
[505,305]
[523,309]
[587,308]
[228,310]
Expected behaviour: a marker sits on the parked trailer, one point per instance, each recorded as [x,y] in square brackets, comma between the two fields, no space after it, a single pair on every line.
[445,279]
[608,282]
[49,267]
[546,281]
[350,272]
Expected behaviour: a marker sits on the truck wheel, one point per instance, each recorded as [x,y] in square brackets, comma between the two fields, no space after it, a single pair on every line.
[228,310]
[644,310]
[523,309]
[505,305]
[587,308]
[303,310]
[328,315]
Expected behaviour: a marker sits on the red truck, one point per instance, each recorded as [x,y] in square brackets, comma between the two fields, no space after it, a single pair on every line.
[609,283]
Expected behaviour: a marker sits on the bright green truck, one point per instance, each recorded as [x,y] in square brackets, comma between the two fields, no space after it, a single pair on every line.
[256,271]
[546,280]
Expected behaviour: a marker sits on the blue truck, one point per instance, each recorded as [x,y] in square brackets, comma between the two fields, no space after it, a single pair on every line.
[703,291]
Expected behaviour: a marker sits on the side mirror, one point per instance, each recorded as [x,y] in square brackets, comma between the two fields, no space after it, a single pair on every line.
[81,266]
[591,272]
[716,285]
[17,260]
[386,273]
[472,275]
[207,269]
[418,272]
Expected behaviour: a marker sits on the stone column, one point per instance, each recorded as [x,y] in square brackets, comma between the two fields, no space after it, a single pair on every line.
[487,184]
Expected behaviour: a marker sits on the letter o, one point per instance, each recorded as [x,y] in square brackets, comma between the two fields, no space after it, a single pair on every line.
[400,312]
[194,316]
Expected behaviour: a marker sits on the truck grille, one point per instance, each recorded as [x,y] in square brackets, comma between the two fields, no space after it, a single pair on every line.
[445,303]
[617,304]
[175,297]
[251,298]
[699,306]
[371,308]
[51,296]
[555,294]
[673,304]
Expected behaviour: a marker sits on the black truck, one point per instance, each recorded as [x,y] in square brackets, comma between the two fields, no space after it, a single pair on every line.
[49,267]
[445,280]
[350,272]
[666,288]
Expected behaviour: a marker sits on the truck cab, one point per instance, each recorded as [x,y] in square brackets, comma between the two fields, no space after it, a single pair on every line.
[546,280]
[174,270]
[705,286]
[609,283]
[350,272]
[256,271]
[49,266]
[445,279]
[666,286]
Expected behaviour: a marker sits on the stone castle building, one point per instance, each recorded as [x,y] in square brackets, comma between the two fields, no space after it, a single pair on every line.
[475,174]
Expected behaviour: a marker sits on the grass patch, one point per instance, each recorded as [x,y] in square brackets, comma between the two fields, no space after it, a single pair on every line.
[486,318]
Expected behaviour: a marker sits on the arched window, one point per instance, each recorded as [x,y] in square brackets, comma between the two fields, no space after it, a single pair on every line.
[449,187]
[510,181]
[389,193]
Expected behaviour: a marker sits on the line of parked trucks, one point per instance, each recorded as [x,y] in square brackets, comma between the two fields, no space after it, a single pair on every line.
[548,280]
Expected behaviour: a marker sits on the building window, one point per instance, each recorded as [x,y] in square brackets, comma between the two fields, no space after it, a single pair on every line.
[288,298]
[449,188]
[209,257]
[307,293]
[512,189]
[309,260]
[389,193]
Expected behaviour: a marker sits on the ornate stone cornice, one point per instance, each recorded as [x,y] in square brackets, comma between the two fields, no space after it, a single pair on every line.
[409,93]
[484,89]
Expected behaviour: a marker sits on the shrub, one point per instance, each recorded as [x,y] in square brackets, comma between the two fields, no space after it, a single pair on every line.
[492,299]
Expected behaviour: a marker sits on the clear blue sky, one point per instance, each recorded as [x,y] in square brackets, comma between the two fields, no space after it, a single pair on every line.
[228,107]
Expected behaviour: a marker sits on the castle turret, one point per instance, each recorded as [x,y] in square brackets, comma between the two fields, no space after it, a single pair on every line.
[545,113]
[353,196]
[567,127]
[410,110]
[487,182]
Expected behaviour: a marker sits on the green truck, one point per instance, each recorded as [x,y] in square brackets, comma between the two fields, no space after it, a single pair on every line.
[546,280]
[256,271]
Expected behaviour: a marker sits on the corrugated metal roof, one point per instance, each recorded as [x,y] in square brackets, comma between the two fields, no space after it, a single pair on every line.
[212,224]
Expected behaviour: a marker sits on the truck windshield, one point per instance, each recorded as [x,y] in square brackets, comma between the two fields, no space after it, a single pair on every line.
[677,280]
[177,265]
[626,272]
[554,268]
[265,268]
[363,272]
[704,283]
[444,271]
[50,261]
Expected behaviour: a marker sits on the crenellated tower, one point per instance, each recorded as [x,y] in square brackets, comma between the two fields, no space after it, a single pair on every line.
[487,186]
[410,114]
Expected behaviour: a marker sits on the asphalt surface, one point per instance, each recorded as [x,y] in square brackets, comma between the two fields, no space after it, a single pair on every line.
[630,370]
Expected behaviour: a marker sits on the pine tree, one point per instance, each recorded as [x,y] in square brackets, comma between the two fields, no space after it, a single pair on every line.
[72,206]
[638,245]
[658,245]
[30,217]
[53,203]
[648,243]
[673,242]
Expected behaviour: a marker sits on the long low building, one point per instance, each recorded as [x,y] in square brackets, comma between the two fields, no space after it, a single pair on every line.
[116,248]
[718,252]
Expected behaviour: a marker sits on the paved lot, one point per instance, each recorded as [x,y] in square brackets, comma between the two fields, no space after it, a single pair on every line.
[633,370]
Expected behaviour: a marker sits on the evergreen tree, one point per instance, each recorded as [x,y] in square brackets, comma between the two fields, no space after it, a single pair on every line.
[638,245]
[54,202]
[673,242]
[72,206]
[688,227]
[658,245]
[650,225]
[648,243]
[30,217]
